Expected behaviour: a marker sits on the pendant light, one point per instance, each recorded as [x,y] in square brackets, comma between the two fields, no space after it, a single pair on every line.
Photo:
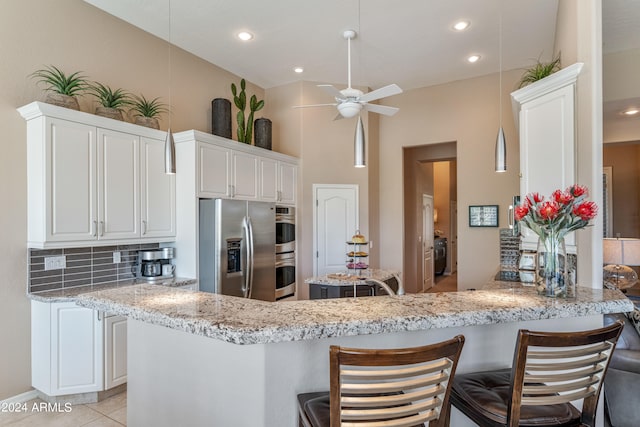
[169,143]
[169,154]
[501,144]
[359,153]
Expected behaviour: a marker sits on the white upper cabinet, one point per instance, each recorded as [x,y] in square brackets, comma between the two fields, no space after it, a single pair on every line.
[278,181]
[118,185]
[545,115]
[287,183]
[269,180]
[230,170]
[63,154]
[94,179]
[214,171]
[244,184]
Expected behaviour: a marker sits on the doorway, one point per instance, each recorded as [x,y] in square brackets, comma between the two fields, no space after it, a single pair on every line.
[431,170]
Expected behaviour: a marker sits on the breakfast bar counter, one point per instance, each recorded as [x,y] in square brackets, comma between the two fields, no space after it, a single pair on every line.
[205,359]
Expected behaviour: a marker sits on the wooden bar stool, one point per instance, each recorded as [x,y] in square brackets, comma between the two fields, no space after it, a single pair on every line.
[549,371]
[394,387]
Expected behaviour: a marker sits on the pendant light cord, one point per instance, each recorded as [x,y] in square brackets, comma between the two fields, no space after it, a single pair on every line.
[500,61]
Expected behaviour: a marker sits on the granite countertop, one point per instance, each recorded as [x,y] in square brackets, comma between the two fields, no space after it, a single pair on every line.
[245,321]
[70,294]
[347,278]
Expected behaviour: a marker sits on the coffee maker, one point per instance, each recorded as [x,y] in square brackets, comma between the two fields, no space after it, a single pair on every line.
[155,264]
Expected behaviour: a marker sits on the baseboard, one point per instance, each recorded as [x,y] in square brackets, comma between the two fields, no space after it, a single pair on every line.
[20,398]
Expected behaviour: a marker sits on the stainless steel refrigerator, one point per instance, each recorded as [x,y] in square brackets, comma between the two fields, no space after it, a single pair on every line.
[237,248]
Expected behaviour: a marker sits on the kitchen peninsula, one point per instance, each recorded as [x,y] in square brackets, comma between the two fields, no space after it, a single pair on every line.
[204,359]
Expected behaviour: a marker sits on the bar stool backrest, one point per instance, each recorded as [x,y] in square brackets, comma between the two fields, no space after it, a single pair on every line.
[394,387]
[555,367]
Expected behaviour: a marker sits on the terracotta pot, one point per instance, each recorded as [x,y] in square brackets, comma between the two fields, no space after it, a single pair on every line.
[150,122]
[111,113]
[61,100]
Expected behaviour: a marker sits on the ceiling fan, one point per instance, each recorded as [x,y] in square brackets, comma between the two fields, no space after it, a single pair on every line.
[351,101]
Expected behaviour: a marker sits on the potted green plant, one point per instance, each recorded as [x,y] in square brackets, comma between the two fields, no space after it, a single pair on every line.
[245,127]
[61,88]
[539,71]
[112,102]
[146,112]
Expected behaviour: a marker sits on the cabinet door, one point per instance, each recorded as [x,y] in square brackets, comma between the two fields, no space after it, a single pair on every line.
[158,192]
[115,351]
[118,185]
[245,176]
[268,180]
[547,149]
[76,349]
[70,173]
[215,171]
[288,174]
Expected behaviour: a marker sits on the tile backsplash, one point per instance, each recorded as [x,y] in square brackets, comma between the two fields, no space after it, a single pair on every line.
[84,266]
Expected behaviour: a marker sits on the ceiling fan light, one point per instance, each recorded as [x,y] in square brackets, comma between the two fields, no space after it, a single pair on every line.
[245,36]
[473,58]
[349,109]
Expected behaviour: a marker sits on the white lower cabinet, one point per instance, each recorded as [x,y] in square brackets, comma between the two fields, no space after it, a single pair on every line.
[68,349]
[115,351]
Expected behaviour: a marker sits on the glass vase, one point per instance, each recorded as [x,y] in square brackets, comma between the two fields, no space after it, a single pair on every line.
[553,280]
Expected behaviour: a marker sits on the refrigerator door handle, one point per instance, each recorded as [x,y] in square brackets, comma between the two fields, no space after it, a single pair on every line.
[248,277]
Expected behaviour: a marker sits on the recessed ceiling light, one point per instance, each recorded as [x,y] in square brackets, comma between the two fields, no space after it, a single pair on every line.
[298,69]
[473,58]
[631,112]
[245,36]
[461,25]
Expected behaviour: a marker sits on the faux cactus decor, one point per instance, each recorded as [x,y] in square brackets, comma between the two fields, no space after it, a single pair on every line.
[245,127]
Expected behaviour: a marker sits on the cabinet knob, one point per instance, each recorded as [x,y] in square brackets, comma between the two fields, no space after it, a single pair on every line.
[101,228]
[144,227]
[95,229]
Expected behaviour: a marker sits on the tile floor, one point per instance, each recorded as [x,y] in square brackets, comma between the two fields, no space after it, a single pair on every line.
[110,412]
[445,283]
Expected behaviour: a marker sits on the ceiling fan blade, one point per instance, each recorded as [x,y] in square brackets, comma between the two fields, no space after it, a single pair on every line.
[332,91]
[315,105]
[383,92]
[382,109]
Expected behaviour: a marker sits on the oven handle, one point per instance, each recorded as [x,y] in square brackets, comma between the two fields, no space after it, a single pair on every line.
[287,262]
[285,219]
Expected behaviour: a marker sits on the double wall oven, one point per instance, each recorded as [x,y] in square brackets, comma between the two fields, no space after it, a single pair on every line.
[285,251]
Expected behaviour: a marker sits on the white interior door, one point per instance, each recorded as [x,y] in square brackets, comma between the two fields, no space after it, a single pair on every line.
[335,221]
[427,242]
[453,241]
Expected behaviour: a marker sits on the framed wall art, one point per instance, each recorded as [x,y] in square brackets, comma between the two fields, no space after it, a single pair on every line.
[483,216]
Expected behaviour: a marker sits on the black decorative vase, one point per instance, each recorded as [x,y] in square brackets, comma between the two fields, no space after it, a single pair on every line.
[262,133]
[221,117]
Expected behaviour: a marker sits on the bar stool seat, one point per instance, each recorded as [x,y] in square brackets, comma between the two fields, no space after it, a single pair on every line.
[550,370]
[403,387]
[488,393]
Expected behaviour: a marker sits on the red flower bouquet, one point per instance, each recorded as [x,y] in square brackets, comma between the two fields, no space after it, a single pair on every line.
[565,211]
[551,220]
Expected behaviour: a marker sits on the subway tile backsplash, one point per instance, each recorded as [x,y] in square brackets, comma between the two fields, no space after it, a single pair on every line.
[85,266]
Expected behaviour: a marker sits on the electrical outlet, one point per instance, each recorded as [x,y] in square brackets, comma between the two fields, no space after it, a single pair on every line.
[116,258]
[55,262]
